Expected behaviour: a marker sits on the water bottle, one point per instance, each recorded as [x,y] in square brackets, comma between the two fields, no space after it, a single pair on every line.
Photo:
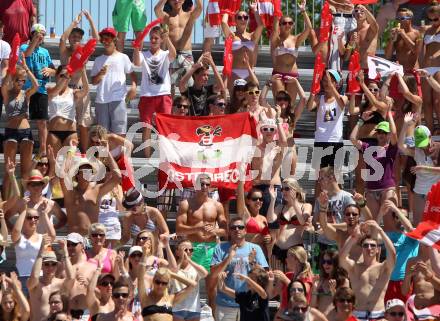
[52,31]
[206,313]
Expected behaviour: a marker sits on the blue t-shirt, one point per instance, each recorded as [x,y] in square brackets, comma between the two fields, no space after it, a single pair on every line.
[240,264]
[39,59]
[406,248]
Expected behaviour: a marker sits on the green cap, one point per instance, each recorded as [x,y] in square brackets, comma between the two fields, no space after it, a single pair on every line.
[383,126]
[421,136]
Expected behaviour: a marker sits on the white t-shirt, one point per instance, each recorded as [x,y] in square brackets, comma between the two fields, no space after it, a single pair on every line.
[156,79]
[112,86]
[192,300]
[424,180]
[329,122]
[5,51]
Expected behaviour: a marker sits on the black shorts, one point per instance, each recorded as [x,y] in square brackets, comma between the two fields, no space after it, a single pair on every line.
[38,107]
[328,160]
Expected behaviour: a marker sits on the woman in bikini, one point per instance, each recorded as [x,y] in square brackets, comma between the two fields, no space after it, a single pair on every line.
[244,43]
[376,106]
[288,221]
[18,135]
[288,114]
[99,254]
[248,208]
[62,112]
[430,61]
[284,50]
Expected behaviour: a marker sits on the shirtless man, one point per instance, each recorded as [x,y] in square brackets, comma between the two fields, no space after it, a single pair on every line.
[203,221]
[81,201]
[83,274]
[180,25]
[340,232]
[74,35]
[423,281]
[367,34]
[268,159]
[41,287]
[369,278]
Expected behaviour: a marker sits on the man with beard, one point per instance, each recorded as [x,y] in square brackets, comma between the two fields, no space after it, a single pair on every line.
[156,83]
[202,220]
[369,278]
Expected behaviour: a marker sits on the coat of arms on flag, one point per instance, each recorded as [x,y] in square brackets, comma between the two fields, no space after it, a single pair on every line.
[215,145]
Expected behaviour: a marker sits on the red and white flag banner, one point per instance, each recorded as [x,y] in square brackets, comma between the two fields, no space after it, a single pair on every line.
[216,145]
[428,230]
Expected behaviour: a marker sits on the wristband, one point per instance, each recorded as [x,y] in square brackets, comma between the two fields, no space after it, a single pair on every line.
[363,204]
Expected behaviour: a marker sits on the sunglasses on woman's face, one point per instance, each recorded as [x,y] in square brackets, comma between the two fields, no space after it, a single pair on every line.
[98,235]
[300,309]
[285,23]
[159,282]
[328,262]
[144,238]
[243,17]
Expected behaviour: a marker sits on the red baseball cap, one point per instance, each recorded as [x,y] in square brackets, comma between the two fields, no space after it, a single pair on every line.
[108,31]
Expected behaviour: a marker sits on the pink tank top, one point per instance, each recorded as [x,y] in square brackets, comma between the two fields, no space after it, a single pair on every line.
[106,263]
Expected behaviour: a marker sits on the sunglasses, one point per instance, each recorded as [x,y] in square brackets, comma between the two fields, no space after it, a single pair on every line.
[374,90]
[286,188]
[300,309]
[255,199]
[396,314]
[144,238]
[351,214]
[245,18]
[253,92]
[52,264]
[328,262]
[357,11]
[285,23]
[381,132]
[21,81]
[136,255]
[220,105]
[71,244]
[268,129]
[42,164]
[236,227]
[189,250]
[282,99]
[179,106]
[403,18]
[106,39]
[30,218]
[345,300]
[433,19]
[120,295]
[158,282]
[106,283]
[98,235]
[369,245]
[297,290]
[35,184]
[205,184]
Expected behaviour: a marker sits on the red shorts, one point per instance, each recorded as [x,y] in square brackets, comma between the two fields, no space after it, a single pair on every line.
[154,104]
[394,291]
[127,173]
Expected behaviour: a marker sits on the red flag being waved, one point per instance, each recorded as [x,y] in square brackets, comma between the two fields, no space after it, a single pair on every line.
[216,145]
[326,23]
[13,56]
[231,7]
[318,72]
[213,11]
[267,9]
[354,67]
[140,39]
[80,56]
[227,57]
[428,230]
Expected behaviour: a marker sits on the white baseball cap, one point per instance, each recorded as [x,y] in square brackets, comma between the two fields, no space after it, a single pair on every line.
[38,27]
[394,303]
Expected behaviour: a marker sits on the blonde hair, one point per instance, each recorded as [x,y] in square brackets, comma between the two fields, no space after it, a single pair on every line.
[152,238]
[163,273]
[97,227]
[294,184]
[98,131]
[301,255]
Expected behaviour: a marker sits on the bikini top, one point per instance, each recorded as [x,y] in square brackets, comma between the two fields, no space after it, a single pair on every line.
[428,39]
[282,220]
[106,263]
[238,44]
[253,227]
[286,51]
[18,106]
[153,309]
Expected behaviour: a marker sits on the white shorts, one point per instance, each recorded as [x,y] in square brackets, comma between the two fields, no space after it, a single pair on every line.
[227,314]
[212,31]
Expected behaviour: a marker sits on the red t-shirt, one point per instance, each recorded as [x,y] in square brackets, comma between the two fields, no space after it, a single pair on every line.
[285,295]
[9,11]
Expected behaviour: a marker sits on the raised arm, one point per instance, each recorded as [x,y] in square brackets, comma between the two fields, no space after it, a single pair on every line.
[393,127]
[253,285]
[37,37]
[390,260]
[34,278]
[60,84]
[275,35]
[92,24]
[374,26]
[223,287]
[81,93]
[344,260]
[169,45]
[242,209]
[16,230]
[256,35]
[91,300]
[183,84]
[115,178]
[413,98]
[190,284]
[371,98]
[308,24]
[354,133]
[408,120]
[34,82]
[65,36]
[70,272]
[430,79]
[341,100]
[219,85]
[225,26]
[158,10]
[23,304]
[44,210]
[329,230]
[302,100]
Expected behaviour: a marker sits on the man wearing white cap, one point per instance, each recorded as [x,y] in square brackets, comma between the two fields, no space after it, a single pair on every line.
[40,287]
[426,153]
[83,274]
[39,62]
[395,310]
